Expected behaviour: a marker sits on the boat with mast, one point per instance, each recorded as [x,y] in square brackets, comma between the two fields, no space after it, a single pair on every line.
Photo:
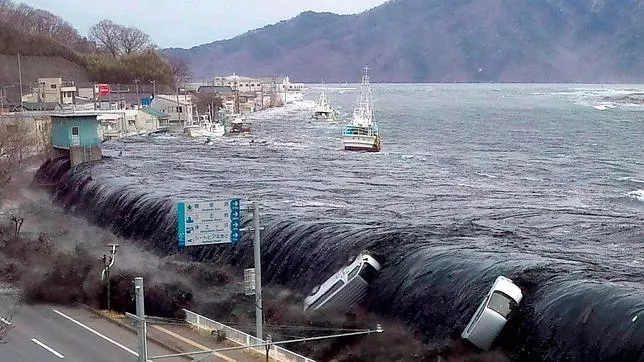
[236,123]
[323,109]
[205,128]
[362,133]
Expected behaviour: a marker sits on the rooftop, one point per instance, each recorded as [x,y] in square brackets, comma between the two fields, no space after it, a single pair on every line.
[212,89]
[155,113]
[182,99]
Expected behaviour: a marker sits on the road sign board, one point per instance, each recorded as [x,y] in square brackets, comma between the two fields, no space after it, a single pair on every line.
[103,89]
[208,222]
[249,281]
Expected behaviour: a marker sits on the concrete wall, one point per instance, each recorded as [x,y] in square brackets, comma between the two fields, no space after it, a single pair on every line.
[34,128]
[78,155]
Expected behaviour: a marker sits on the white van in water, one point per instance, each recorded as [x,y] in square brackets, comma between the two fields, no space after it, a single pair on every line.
[345,288]
[493,312]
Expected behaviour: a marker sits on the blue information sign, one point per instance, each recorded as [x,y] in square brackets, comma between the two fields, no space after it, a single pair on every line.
[208,222]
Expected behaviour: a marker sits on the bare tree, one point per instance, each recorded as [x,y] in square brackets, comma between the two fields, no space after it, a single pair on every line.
[17,219]
[132,40]
[107,35]
[119,39]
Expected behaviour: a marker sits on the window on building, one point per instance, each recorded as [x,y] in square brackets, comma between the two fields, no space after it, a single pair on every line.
[53,86]
[179,109]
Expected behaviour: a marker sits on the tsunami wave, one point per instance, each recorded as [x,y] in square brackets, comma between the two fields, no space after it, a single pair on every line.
[429,280]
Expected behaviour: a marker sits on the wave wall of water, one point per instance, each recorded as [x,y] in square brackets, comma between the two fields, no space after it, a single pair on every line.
[429,280]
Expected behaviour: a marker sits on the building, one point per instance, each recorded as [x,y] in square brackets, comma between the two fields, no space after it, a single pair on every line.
[179,108]
[76,135]
[150,119]
[236,82]
[52,90]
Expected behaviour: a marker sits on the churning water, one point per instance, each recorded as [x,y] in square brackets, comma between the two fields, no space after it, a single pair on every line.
[541,183]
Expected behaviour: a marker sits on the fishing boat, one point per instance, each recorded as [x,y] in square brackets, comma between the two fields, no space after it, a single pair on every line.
[205,128]
[235,123]
[362,133]
[323,109]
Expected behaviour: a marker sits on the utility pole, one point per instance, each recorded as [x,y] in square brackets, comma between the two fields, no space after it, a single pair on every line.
[138,99]
[108,261]
[258,274]
[154,87]
[178,106]
[94,100]
[20,76]
[140,313]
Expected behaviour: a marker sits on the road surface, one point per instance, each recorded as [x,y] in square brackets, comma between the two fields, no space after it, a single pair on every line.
[42,333]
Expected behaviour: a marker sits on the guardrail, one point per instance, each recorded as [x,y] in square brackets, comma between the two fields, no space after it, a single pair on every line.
[276,352]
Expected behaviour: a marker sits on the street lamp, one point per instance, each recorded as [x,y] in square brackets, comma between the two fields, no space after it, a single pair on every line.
[108,261]
[3,89]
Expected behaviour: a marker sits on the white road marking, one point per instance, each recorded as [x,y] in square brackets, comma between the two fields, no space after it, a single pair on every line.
[47,348]
[5,321]
[95,332]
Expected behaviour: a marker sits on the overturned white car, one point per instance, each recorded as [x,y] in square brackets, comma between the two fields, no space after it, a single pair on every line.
[345,288]
[493,312]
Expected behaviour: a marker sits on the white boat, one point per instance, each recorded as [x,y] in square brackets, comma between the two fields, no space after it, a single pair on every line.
[323,109]
[362,133]
[347,287]
[205,128]
[235,123]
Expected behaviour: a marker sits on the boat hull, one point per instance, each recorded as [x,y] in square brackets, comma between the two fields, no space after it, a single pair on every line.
[324,116]
[361,143]
[202,132]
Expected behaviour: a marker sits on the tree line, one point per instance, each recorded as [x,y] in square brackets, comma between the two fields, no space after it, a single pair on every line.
[111,53]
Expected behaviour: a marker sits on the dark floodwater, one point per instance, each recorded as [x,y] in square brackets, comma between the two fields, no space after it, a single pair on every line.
[541,183]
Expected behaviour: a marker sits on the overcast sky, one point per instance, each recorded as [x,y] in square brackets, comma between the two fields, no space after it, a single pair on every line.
[187,23]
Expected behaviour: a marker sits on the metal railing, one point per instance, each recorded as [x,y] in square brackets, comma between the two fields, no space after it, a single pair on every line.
[276,352]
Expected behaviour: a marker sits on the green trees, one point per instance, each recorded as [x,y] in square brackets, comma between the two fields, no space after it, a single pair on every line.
[147,65]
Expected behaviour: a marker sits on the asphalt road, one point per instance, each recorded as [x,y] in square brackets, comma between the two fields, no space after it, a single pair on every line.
[43,333]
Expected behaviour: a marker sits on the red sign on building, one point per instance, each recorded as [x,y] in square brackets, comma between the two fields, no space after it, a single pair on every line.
[103,89]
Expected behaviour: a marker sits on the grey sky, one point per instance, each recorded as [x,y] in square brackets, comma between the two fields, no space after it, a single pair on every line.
[187,23]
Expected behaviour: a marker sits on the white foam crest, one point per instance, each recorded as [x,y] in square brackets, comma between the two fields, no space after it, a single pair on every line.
[637,195]
[632,179]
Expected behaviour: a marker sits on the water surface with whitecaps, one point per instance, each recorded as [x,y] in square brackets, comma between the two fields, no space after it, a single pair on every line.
[541,183]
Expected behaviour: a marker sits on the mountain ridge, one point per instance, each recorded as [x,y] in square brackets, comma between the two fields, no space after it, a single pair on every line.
[442,41]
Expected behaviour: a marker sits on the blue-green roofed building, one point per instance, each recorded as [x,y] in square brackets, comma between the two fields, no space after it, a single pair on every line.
[77,136]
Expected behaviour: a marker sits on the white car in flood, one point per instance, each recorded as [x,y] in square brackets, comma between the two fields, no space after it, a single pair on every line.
[493,312]
[346,287]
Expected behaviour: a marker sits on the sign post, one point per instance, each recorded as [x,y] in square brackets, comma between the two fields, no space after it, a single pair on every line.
[140,313]
[258,275]
[219,222]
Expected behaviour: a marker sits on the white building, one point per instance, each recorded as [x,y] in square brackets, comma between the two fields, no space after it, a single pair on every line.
[179,108]
[236,82]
